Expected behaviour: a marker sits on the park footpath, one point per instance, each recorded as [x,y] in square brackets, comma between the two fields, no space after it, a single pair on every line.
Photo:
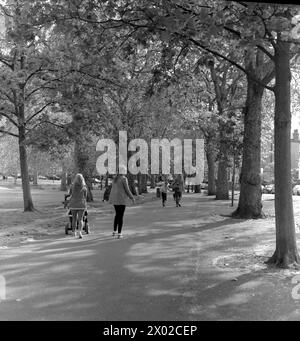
[49,216]
[191,263]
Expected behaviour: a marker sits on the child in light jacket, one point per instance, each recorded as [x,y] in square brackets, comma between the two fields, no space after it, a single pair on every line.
[77,203]
[164,188]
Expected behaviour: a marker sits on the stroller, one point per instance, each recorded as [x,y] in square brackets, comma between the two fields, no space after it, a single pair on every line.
[68,226]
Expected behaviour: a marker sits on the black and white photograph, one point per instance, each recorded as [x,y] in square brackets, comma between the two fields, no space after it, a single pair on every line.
[149,163]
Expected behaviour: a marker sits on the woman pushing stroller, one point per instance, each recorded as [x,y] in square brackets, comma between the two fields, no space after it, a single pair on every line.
[77,203]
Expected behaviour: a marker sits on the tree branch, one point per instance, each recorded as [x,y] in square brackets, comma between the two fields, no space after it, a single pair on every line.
[9,118]
[177,58]
[36,90]
[44,121]
[268,77]
[38,112]
[238,34]
[230,61]
[33,73]
[10,99]
[8,133]
[264,50]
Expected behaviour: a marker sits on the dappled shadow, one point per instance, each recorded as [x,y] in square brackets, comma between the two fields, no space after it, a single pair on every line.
[162,270]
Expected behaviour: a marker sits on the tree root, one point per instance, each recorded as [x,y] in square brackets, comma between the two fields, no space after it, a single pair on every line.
[285,262]
[31,209]
[237,214]
[210,194]
[222,197]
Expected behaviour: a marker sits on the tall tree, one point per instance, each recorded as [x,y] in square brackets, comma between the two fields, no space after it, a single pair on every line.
[268,28]
[25,63]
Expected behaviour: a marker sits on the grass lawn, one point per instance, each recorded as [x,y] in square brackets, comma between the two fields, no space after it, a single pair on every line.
[49,218]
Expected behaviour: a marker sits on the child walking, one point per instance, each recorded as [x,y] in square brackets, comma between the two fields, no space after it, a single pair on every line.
[77,204]
[164,191]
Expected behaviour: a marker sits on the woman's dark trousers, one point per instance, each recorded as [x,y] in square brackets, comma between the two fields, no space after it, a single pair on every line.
[118,222]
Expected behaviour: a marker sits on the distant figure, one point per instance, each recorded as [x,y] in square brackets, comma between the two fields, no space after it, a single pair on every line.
[107,193]
[178,189]
[118,197]
[77,203]
[164,192]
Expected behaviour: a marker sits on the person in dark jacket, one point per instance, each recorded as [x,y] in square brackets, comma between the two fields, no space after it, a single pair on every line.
[77,203]
[118,197]
[178,188]
[107,193]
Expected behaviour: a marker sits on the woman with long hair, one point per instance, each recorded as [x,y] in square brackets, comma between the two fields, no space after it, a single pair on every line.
[118,197]
[77,203]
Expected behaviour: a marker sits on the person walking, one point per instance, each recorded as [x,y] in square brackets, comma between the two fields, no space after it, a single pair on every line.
[118,197]
[177,194]
[164,192]
[77,203]
[107,193]
[178,189]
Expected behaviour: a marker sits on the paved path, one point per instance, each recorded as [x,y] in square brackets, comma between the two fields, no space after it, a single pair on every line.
[162,270]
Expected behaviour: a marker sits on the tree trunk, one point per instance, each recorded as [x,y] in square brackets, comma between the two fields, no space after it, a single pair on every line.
[69,180]
[81,160]
[211,161]
[250,204]
[233,182]
[131,183]
[144,183]
[63,181]
[152,181]
[89,185]
[35,167]
[27,198]
[222,188]
[81,156]
[286,253]
[35,177]
[139,179]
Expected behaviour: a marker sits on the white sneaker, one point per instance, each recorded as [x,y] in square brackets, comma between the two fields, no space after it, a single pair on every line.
[74,233]
[114,234]
[119,235]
